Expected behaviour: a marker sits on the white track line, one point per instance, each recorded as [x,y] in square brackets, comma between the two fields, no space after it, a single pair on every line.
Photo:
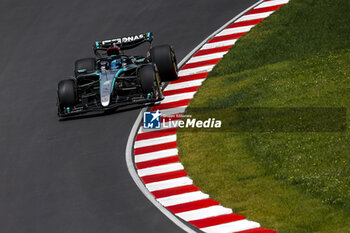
[255,16]
[272,3]
[182,79]
[155,141]
[206,57]
[167,184]
[160,169]
[173,111]
[155,155]
[230,31]
[219,44]
[183,198]
[192,83]
[240,225]
[197,70]
[196,49]
[207,212]
[178,97]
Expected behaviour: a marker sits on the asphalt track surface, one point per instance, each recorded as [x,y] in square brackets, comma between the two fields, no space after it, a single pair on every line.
[70,176]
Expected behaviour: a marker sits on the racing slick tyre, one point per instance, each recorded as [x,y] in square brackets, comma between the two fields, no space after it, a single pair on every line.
[66,93]
[164,57]
[149,81]
[86,65]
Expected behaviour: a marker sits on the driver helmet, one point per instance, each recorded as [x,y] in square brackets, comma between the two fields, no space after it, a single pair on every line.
[115,64]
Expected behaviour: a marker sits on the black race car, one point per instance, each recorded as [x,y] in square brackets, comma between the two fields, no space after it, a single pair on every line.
[113,79]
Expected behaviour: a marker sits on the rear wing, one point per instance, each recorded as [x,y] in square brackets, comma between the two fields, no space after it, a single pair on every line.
[124,43]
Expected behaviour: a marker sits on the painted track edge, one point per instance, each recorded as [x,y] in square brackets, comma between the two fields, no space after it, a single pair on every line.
[131,139]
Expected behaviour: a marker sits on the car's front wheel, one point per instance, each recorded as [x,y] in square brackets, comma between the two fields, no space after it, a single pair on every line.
[66,93]
[149,80]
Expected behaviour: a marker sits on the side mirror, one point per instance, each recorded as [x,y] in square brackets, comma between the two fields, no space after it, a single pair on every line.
[81,71]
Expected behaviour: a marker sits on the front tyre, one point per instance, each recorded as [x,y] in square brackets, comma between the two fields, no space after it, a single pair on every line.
[149,81]
[164,57]
[66,93]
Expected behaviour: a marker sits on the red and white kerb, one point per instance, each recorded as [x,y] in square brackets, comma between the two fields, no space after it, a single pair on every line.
[156,154]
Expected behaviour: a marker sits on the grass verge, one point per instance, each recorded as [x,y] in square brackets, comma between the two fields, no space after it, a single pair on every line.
[290,179]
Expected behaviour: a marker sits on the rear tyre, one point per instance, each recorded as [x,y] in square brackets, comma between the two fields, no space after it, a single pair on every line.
[86,65]
[164,57]
[149,81]
[66,93]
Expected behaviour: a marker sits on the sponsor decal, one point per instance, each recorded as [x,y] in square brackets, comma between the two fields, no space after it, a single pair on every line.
[125,39]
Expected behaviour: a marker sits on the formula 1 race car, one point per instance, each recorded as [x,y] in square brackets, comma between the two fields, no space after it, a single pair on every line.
[113,79]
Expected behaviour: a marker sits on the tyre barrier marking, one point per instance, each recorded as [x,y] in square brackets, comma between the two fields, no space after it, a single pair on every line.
[155,151]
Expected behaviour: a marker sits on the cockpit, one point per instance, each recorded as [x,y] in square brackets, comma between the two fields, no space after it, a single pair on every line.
[114,61]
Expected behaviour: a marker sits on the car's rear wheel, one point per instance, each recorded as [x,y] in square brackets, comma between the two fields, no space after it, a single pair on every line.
[149,81]
[164,57]
[66,93]
[85,65]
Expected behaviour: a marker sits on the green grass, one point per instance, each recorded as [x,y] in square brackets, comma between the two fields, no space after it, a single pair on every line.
[289,179]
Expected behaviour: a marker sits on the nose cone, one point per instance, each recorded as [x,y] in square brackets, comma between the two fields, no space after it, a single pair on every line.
[106,85]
